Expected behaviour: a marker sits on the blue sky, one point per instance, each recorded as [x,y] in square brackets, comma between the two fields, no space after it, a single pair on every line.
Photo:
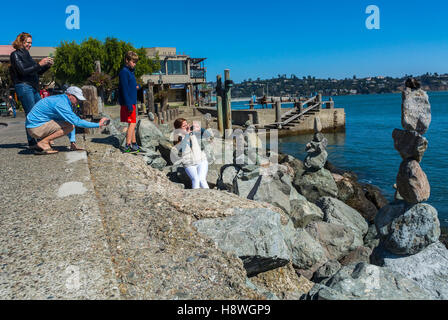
[321,38]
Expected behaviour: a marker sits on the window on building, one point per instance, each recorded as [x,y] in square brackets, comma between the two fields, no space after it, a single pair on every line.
[162,68]
[177,66]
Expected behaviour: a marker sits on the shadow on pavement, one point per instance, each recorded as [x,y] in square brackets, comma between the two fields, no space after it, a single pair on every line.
[26,152]
[14,146]
[111,140]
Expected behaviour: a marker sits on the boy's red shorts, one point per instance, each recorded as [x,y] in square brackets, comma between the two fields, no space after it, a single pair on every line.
[127,116]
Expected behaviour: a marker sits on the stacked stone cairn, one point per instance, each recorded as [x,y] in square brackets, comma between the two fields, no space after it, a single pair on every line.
[316,182]
[316,149]
[408,226]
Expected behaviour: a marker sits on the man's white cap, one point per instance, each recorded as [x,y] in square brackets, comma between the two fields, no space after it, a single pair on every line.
[77,92]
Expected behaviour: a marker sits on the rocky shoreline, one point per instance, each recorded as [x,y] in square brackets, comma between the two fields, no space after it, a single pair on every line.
[289,229]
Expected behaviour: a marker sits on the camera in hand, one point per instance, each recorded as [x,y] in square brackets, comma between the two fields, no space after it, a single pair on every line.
[107,122]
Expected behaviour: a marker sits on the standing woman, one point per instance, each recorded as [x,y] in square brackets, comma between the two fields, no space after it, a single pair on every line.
[25,75]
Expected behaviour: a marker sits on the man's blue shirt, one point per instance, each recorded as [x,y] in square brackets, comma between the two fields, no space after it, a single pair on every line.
[127,88]
[57,108]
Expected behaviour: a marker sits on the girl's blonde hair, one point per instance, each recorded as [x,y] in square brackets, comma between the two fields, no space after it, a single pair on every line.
[21,38]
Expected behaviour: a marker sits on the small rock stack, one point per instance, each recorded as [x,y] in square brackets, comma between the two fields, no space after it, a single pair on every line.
[408,226]
[317,155]
[316,181]
[247,153]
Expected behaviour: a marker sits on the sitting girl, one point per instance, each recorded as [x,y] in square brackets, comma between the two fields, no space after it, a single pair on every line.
[188,149]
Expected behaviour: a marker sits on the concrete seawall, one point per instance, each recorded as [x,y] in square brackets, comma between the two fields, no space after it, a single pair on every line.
[333,120]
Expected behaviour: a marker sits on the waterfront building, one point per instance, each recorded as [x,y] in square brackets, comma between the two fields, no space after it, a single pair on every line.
[182,76]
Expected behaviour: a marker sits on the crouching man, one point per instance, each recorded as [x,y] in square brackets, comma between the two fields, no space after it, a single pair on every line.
[53,117]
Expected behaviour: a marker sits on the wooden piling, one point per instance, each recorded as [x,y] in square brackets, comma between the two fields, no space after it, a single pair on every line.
[228,100]
[278,113]
[90,106]
[168,116]
[319,101]
[150,97]
[219,104]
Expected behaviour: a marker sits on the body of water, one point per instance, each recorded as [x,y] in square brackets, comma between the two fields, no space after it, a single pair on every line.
[367,147]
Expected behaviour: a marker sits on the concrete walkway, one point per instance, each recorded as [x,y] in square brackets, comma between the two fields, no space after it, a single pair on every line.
[52,241]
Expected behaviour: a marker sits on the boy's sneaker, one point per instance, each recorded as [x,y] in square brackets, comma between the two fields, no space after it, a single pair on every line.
[129,149]
[136,148]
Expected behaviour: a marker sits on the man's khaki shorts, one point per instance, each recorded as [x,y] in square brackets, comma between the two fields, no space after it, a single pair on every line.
[48,128]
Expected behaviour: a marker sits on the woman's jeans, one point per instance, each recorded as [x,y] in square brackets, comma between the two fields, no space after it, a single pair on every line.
[198,175]
[28,96]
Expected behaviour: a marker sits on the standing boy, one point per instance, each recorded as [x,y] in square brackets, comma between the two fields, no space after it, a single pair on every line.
[127,98]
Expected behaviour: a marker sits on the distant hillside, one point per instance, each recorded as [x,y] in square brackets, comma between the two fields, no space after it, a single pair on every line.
[294,86]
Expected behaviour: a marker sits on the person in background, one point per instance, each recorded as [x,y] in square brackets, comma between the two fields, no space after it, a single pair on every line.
[188,152]
[25,75]
[127,97]
[264,102]
[44,92]
[12,105]
[53,117]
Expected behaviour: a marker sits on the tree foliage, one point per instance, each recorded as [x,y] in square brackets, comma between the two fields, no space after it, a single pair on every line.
[5,80]
[75,63]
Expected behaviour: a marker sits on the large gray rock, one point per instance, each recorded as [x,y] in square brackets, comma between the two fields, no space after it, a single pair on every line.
[307,254]
[151,156]
[368,282]
[410,144]
[249,172]
[314,185]
[407,230]
[412,182]
[158,163]
[337,212]
[361,254]
[415,111]
[148,135]
[387,215]
[165,147]
[375,196]
[254,235]
[115,127]
[276,191]
[304,212]
[336,239]
[227,178]
[371,240]
[274,188]
[213,174]
[428,268]
[326,271]
[295,164]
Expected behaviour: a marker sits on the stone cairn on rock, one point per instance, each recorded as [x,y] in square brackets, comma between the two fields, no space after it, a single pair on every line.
[316,149]
[408,226]
[316,182]
[247,155]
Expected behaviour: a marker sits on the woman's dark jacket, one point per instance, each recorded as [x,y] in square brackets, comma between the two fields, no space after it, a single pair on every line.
[24,69]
